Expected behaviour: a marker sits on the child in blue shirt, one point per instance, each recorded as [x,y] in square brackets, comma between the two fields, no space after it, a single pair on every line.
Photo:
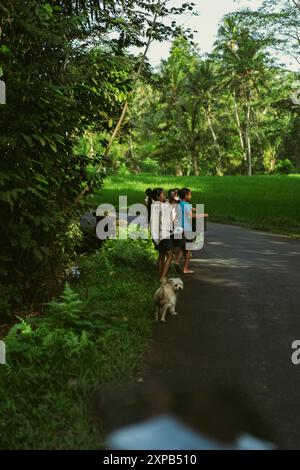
[187,217]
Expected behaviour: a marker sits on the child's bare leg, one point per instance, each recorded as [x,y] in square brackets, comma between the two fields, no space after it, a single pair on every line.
[178,257]
[186,268]
[160,264]
[167,264]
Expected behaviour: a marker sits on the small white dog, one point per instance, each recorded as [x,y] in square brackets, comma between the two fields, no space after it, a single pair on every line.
[166,297]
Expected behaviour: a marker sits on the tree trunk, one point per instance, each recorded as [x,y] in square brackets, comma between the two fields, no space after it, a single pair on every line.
[195,162]
[116,130]
[137,76]
[248,138]
[91,150]
[240,131]
[131,148]
[211,128]
[215,139]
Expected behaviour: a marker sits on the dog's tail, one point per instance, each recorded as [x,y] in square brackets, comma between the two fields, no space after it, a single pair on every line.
[164,281]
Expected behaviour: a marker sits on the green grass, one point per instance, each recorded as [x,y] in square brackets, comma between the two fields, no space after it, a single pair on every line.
[95,333]
[262,202]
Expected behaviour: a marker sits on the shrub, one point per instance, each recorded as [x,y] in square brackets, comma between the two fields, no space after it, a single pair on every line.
[284,167]
[149,165]
[96,331]
[49,106]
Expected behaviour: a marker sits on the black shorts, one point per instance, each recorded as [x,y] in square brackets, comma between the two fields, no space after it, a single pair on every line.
[165,246]
[189,237]
[180,244]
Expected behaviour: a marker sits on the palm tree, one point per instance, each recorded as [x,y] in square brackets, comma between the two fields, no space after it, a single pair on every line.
[203,84]
[244,62]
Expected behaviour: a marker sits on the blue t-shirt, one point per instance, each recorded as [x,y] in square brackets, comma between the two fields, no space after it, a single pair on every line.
[186,219]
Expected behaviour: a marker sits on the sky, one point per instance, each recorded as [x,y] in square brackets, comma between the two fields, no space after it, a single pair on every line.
[206,25]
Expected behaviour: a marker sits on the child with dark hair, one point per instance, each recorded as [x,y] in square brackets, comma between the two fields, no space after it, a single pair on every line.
[186,214]
[173,200]
[173,196]
[161,227]
[148,202]
[148,196]
[188,217]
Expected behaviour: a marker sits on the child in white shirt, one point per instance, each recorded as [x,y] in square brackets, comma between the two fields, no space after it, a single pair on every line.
[161,226]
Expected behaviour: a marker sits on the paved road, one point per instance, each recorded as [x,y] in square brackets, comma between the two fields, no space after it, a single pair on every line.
[239,315]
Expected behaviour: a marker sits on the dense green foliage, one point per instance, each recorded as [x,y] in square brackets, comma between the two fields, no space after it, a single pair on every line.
[66,79]
[262,202]
[96,331]
[225,114]
[234,111]
[54,90]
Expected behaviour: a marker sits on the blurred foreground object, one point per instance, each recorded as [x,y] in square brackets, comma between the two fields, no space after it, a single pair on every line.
[167,433]
[176,415]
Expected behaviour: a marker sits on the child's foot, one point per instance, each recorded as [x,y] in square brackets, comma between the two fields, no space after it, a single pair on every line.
[188,271]
[178,269]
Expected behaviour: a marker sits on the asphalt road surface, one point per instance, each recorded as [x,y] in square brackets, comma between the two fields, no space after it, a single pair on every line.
[238,317]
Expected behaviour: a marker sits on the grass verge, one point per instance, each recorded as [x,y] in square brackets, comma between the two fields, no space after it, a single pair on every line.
[94,333]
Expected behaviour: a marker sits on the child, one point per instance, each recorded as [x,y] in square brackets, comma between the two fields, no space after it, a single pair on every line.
[161,229]
[148,202]
[188,216]
[173,200]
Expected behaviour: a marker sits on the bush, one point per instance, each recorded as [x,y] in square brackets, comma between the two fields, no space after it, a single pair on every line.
[149,165]
[284,167]
[48,108]
[96,331]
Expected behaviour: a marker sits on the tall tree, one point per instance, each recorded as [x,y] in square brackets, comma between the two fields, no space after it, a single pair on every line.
[244,61]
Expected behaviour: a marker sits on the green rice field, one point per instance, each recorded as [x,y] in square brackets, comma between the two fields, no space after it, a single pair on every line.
[270,203]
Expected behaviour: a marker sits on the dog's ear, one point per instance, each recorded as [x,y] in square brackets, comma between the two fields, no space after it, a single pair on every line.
[175,280]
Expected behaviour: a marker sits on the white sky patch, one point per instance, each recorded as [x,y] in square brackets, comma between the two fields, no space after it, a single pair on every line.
[206,27]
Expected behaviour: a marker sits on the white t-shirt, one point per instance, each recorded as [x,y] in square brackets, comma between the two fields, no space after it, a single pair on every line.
[161,222]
